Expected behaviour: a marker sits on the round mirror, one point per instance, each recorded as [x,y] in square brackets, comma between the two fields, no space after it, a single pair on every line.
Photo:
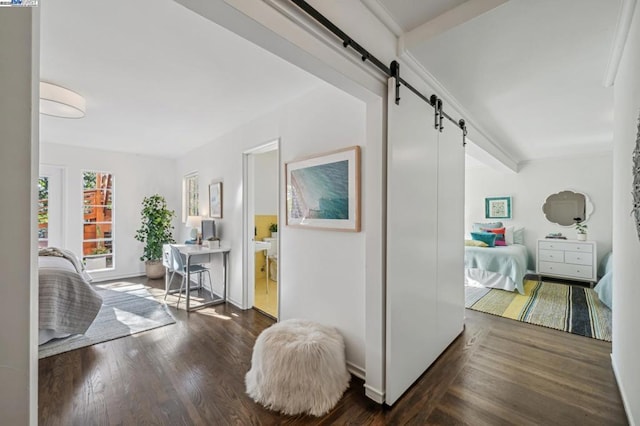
[567,207]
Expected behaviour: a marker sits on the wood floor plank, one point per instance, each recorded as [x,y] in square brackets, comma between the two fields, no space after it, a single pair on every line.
[498,372]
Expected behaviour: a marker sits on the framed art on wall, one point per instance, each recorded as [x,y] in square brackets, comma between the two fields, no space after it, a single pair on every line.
[323,191]
[497,208]
[215,200]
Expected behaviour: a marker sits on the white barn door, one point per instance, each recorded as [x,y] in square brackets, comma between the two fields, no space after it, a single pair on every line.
[425,299]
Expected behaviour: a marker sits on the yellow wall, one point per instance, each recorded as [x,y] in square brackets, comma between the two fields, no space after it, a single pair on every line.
[262,223]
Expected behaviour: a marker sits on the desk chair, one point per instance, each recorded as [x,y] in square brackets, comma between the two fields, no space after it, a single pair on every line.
[179,266]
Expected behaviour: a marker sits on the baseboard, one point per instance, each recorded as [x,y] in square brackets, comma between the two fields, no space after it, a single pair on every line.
[115,277]
[625,400]
[236,304]
[356,370]
[374,394]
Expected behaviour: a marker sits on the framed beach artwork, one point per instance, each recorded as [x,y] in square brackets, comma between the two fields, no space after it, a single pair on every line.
[497,207]
[215,200]
[323,191]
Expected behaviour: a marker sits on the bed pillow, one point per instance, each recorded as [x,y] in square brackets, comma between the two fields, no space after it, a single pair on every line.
[508,235]
[477,226]
[518,236]
[486,237]
[474,243]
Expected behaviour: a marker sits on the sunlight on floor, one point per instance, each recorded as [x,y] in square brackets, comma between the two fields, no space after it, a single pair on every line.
[267,302]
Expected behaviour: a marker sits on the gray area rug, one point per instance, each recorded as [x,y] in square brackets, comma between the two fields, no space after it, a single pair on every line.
[127,309]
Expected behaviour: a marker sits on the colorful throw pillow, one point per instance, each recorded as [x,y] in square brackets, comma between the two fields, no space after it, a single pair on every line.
[486,237]
[498,231]
[500,243]
[474,243]
[477,226]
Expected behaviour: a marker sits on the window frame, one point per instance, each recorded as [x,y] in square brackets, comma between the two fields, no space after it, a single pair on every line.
[187,208]
[83,207]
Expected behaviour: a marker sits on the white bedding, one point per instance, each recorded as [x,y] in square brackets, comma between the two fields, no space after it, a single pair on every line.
[68,304]
[502,267]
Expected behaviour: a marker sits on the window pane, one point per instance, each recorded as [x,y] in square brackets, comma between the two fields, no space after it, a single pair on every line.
[191,195]
[97,217]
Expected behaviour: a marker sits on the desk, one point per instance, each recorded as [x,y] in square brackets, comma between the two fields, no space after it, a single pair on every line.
[191,251]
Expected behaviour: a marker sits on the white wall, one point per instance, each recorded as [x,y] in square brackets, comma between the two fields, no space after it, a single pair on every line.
[266,183]
[530,187]
[626,246]
[19,71]
[321,272]
[135,176]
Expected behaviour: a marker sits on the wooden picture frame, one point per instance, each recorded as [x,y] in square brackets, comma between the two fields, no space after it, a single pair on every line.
[323,191]
[497,208]
[215,200]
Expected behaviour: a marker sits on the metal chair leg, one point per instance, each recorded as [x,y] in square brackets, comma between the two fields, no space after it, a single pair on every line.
[184,278]
[210,283]
[166,293]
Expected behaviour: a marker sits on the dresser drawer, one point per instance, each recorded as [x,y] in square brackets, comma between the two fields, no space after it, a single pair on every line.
[566,269]
[553,245]
[577,258]
[551,256]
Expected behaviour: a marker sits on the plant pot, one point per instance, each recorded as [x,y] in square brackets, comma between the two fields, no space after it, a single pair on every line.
[581,237]
[274,234]
[154,269]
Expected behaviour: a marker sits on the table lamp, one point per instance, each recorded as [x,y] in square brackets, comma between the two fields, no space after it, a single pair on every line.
[194,222]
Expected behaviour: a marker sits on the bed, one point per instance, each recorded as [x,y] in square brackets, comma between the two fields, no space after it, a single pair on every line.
[68,304]
[502,267]
[604,287]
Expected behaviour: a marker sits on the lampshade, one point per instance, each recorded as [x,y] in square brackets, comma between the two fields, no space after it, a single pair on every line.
[60,102]
[193,221]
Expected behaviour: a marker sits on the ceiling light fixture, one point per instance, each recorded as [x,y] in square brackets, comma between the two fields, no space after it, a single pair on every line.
[57,101]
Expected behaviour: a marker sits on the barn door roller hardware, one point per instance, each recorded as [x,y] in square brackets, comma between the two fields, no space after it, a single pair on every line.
[390,71]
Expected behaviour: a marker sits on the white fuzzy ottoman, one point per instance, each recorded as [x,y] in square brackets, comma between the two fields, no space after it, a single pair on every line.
[298,366]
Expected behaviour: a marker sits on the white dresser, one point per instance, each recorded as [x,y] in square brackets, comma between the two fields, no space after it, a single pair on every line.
[572,259]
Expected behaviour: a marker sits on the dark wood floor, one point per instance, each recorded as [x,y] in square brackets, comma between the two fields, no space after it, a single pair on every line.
[498,372]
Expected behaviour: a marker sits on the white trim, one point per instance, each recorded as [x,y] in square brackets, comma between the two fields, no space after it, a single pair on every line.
[619,41]
[375,394]
[356,370]
[115,277]
[623,394]
[383,16]
[248,223]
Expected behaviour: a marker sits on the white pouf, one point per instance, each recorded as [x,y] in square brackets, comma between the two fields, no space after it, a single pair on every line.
[298,366]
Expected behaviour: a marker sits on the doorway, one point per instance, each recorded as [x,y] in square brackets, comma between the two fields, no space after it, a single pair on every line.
[261,207]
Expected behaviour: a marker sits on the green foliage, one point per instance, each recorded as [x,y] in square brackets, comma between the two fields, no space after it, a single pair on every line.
[581,228]
[89,180]
[273,227]
[156,228]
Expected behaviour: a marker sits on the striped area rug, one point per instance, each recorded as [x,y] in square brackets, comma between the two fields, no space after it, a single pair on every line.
[573,309]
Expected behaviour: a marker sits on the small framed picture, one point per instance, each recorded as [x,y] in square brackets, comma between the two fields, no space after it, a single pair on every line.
[215,200]
[497,208]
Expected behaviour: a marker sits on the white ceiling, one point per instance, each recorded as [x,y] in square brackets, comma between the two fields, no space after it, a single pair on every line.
[158,79]
[529,72]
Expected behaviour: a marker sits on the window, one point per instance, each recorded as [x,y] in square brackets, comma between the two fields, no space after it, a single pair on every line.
[43,211]
[97,222]
[190,196]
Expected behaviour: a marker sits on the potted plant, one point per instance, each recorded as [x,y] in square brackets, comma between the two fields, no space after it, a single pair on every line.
[155,231]
[581,231]
[274,230]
